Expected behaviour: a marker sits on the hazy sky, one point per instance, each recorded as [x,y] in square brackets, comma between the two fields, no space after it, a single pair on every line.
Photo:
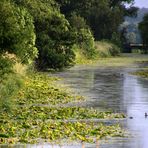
[141,3]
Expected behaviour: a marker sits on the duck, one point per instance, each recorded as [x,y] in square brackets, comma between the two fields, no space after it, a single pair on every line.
[130,117]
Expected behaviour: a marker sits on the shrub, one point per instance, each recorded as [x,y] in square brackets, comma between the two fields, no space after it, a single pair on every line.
[8,89]
[5,66]
[106,49]
[86,42]
[77,22]
[116,39]
[17,31]
[85,39]
[50,59]
[10,83]
[54,34]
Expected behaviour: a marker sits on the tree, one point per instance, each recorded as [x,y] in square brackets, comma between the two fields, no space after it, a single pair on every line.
[103,16]
[55,37]
[143,26]
[17,32]
[131,37]
[84,37]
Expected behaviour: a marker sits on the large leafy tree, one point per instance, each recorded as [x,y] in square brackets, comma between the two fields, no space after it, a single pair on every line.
[143,26]
[54,35]
[17,31]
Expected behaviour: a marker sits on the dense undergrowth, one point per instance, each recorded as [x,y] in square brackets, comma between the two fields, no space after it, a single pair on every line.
[10,83]
[39,117]
[107,49]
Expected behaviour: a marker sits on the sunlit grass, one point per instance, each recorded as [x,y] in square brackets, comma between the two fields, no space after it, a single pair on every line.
[121,60]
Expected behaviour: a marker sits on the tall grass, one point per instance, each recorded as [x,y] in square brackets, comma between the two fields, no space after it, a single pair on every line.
[103,49]
[10,81]
[106,49]
[8,89]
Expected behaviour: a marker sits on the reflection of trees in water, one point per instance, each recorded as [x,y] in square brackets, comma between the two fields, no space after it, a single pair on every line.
[135,92]
[84,78]
[108,85]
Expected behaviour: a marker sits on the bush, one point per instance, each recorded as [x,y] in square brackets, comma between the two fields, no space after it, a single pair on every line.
[10,83]
[50,59]
[53,32]
[86,42]
[106,49]
[77,22]
[8,89]
[85,39]
[17,31]
[5,67]
[114,50]
[116,39]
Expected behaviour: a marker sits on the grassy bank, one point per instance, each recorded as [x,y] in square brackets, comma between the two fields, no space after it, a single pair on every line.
[40,116]
[124,60]
[102,49]
[40,111]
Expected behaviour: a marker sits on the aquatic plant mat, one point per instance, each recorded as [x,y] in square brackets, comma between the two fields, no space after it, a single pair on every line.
[39,116]
[142,73]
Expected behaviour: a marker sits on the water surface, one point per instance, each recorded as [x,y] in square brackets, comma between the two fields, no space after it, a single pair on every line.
[111,88]
[116,89]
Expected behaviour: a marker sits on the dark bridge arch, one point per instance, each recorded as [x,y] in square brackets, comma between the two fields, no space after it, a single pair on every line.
[139,46]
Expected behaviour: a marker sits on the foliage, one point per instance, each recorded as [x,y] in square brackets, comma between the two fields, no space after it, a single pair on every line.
[115,39]
[102,49]
[144,31]
[81,57]
[10,82]
[8,89]
[102,23]
[86,43]
[106,49]
[5,67]
[23,131]
[55,38]
[63,113]
[131,37]
[77,22]
[17,31]
[30,120]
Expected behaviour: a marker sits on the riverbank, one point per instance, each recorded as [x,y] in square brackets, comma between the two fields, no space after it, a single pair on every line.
[118,61]
[38,116]
[42,115]
[115,88]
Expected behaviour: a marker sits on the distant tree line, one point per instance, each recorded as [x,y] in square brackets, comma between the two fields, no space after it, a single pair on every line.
[131,28]
[143,26]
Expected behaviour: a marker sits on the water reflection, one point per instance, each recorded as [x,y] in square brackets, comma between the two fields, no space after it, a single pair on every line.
[137,105]
[114,88]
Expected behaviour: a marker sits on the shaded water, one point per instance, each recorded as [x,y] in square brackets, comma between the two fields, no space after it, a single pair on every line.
[114,88]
